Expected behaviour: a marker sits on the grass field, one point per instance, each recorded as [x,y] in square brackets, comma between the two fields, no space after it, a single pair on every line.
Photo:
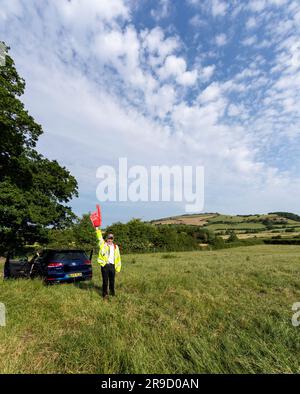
[218,311]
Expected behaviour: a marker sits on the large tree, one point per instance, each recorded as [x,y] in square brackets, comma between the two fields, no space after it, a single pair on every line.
[34,191]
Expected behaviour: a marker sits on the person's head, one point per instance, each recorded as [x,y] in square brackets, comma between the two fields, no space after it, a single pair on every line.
[110,239]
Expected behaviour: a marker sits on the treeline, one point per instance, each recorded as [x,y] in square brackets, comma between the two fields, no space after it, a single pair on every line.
[265,221]
[134,236]
[282,241]
[137,236]
[287,215]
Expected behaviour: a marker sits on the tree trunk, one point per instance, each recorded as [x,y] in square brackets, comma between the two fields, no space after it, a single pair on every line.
[7,266]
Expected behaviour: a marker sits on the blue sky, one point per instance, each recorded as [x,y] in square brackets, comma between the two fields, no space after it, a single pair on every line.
[200,82]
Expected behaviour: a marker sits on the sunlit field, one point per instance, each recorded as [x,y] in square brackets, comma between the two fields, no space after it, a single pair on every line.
[226,311]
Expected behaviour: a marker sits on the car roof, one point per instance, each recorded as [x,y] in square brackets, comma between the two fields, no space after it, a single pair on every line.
[64,250]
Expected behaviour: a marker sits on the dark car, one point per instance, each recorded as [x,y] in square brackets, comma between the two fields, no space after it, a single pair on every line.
[62,266]
[16,268]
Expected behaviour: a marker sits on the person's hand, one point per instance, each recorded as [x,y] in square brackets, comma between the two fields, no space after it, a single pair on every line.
[96,218]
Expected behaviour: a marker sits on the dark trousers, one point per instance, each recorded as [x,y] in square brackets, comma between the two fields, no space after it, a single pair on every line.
[108,276]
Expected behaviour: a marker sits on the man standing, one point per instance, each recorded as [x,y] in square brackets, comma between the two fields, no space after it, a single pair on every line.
[110,260]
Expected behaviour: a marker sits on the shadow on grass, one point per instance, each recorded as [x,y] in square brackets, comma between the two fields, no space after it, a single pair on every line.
[88,285]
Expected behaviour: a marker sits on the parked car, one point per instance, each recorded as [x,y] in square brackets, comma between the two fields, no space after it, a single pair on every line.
[16,268]
[57,265]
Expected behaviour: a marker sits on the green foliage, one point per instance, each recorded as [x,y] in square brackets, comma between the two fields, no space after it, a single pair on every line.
[138,236]
[84,234]
[245,242]
[232,237]
[80,235]
[269,223]
[276,237]
[61,238]
[218,243]
[33,189]
[282,241]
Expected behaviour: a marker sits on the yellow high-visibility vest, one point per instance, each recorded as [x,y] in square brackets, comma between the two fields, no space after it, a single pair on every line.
[104,252]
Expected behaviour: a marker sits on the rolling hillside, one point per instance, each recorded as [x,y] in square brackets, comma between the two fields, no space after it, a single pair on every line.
[271,224]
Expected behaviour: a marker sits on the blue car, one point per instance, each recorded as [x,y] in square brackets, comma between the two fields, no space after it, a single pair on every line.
[57,266]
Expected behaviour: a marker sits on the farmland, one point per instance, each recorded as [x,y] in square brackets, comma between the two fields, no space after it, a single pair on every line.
[211,311]
[245,226]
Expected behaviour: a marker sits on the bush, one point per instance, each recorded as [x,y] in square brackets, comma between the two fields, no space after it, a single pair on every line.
[289,230]
[218,243]
[282,241]
[232,237]
[240,242]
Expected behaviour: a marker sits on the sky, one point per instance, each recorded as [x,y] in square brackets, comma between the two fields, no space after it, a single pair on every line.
[207,83]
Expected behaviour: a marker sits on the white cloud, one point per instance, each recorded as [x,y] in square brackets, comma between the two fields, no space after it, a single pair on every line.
[188,78]
[10,8]
[218,7]
[161,102]
[221,39]
[119,49]
[158,46]
[257,5]
[211,93]
[135,90]
[87,12]
[162,11]
[236,110]
[197,21]
[176,67]
[277,2]
[249,41]
[207,72]
[173,66]
[251,23]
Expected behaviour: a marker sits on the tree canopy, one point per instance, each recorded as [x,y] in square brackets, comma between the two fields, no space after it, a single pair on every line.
[34,190]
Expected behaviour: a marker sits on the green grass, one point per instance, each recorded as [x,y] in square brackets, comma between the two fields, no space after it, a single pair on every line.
[220,311]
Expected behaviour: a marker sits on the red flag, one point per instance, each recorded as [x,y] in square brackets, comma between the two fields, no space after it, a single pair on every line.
[96,218]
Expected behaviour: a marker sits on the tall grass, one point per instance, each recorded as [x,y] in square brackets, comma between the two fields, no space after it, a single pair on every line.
[215,311]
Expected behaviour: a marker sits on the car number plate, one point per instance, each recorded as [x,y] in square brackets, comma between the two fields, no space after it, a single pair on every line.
[75,275]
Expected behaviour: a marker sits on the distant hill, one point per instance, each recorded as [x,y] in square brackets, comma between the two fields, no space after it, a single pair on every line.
[272,222]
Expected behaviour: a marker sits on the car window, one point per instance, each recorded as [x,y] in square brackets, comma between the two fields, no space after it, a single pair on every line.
[67,256]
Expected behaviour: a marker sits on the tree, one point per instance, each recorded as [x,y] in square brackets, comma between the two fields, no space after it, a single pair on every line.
[218,243]
[84,234]
[61,238]
[33,190]
[232,237]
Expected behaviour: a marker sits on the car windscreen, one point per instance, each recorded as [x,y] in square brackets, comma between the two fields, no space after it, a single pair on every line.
[67,256]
